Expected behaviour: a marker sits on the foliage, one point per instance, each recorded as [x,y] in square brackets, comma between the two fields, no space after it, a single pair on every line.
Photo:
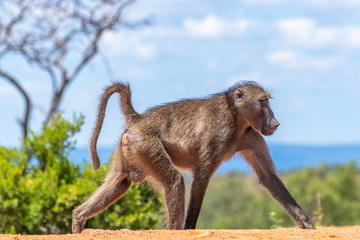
[328,195]
[39,198]
[339,188]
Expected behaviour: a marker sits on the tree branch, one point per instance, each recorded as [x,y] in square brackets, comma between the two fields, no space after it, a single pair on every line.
[25,122]
[47,33]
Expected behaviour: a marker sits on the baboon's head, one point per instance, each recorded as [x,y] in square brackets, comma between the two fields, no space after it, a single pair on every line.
[251,103]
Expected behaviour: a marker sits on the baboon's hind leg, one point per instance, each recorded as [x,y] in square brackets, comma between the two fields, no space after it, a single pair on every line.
[201,178]
[109,192]
[162,169]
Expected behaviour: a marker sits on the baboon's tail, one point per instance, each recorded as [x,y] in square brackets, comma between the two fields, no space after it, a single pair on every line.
[126,108]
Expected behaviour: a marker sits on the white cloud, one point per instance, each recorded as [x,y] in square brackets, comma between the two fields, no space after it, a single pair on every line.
[127,43]
[144,51]
[285,58]
[151,41]
[337,3]
[352,36]
[212,26]
[314,3]
[306,32]
[295,60]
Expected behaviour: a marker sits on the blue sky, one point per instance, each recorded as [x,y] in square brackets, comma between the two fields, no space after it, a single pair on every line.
[304,52]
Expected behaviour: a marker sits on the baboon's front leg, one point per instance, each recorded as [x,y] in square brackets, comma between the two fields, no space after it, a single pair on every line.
[278,190]
[256,153]
[103,197]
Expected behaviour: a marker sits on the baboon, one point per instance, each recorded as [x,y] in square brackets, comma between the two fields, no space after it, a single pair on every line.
[193,134]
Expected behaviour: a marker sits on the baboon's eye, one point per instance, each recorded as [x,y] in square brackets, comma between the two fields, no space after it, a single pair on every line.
[239,95]
[264,101]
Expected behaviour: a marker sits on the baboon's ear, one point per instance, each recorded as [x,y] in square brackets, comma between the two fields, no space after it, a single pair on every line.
[239,95]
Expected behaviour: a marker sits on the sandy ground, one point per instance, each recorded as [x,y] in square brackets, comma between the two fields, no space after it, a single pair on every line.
[350,232]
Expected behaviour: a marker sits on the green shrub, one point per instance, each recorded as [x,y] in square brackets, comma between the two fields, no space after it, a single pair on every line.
[338,190]
[38,196]
[328,195]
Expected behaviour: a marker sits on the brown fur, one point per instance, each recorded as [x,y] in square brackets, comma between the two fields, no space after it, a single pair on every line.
[194,134]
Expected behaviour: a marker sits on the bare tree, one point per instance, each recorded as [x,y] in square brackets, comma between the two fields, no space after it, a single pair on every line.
[11,16]
[60,37]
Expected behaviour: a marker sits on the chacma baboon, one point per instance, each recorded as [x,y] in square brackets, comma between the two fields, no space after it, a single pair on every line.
[194,134]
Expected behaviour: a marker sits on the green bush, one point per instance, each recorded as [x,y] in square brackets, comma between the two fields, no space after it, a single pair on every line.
[337,187]
[39,196]
[328,195]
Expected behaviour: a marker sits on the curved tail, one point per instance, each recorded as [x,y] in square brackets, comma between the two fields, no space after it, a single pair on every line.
[126,107]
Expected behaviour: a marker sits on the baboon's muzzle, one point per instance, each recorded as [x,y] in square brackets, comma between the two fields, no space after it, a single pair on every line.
[271,128]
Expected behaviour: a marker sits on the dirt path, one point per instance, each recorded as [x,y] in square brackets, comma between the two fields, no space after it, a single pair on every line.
[351,232]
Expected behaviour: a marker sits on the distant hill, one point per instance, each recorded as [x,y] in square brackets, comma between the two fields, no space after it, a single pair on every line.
[286,157]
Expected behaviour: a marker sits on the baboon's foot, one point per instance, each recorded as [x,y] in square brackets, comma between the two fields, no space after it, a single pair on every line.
[306,225]
[77,223]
